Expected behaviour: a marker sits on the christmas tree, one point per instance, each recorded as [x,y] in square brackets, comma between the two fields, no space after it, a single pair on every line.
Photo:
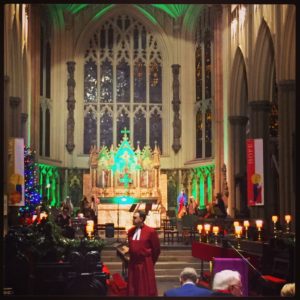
[32,196]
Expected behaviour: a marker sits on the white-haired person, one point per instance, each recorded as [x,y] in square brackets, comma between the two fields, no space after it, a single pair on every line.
[227,283]
[288,290]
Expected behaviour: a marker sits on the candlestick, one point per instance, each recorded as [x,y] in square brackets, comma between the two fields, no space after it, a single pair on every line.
[236,223]
[259,224]
[238,231]
[216,231]
[246,225]
[287,220]
[199,227]
[275,219]
[207,229]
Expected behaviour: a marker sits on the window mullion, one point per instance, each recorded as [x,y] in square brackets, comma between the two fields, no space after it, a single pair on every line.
[147,91]
[115,114]
[131,110]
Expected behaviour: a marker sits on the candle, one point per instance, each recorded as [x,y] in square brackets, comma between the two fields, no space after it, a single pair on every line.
[215,230]
[207,227]
[259,224]
[274,219]
[246,223]
[238,230]
[34,218]
[199,227]
[288,218]
[236,223]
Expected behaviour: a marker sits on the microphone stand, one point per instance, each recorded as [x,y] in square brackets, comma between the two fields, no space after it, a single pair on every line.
[246,260]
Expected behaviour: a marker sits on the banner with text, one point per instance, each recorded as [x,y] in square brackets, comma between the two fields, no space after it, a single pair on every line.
[255,172]
[16,172]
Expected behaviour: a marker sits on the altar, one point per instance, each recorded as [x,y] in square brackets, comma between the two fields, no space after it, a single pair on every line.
[125,173]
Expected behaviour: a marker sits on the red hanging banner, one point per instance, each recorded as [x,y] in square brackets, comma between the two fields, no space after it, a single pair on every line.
[255,172]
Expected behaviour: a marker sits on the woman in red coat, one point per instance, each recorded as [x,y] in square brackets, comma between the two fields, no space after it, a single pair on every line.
[144,250]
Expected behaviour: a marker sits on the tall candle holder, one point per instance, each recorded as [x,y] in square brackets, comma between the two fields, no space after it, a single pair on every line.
[89,228]
[207,229]
[199,227]
[215,230]
[246,225]
[287,220]
[259,224]
[274,220]
[238,231]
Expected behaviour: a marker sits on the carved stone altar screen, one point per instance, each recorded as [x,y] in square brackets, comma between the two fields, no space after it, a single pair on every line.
[123,173]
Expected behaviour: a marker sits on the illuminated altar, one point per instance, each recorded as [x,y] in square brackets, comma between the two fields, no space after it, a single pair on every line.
[122,176]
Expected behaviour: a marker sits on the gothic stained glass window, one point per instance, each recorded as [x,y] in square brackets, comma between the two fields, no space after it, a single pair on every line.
[90,81]
[155,129]
[106,129]
[155,83]
[208,124]
[139,128]
[198,73]
[47,132]
[90,131]
[123,83]
[106,82]
[139,82]
[203,78]
[48,70]
[207,66]
[122,122]
[199,134]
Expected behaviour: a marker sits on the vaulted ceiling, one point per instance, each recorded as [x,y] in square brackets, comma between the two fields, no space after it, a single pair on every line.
[188,12]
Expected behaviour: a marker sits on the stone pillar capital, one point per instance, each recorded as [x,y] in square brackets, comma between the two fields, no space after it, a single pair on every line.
[14,101]
[238,120]
[24,117]
[260,105]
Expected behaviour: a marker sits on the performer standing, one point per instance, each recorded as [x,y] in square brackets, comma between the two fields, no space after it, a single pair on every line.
[182,203]
[144,250]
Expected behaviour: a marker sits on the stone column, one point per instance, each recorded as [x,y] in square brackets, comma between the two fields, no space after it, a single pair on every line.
[218,95]
[176,108]
[238,156]
[286,136]
[24,117]
[71,106]
[259,124]
[15,116]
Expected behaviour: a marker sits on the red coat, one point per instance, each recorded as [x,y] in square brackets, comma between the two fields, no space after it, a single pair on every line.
[143,255]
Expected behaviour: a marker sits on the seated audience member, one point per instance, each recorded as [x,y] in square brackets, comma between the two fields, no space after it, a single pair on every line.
[188,279]
[227,283]
[288,290]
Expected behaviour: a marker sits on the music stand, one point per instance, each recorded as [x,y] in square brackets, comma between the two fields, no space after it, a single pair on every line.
[132,207]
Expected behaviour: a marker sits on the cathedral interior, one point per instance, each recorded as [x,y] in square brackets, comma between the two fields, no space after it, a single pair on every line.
[133,103]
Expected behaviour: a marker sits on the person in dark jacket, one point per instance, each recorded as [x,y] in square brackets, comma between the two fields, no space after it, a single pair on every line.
[219,207]
[188,280]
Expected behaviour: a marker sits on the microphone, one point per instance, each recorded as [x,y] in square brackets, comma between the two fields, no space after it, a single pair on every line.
[245,259]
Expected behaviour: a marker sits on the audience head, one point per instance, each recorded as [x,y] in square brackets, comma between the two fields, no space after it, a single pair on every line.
[188,274]
[288,290]
[228,280]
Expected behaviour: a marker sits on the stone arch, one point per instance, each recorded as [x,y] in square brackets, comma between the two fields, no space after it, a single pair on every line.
[238,86]
[263,64]
[287,59]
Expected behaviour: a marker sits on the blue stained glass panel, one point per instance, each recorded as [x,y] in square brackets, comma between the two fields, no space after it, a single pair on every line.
[155,130]
[139,82]
[106,129]
[90,131]
[90,81]
[140,129]
[122,122]
[123,82]
[106,83]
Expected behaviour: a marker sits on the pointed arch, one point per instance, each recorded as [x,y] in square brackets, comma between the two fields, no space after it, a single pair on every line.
[238,86]
[287,67]
[263,64]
